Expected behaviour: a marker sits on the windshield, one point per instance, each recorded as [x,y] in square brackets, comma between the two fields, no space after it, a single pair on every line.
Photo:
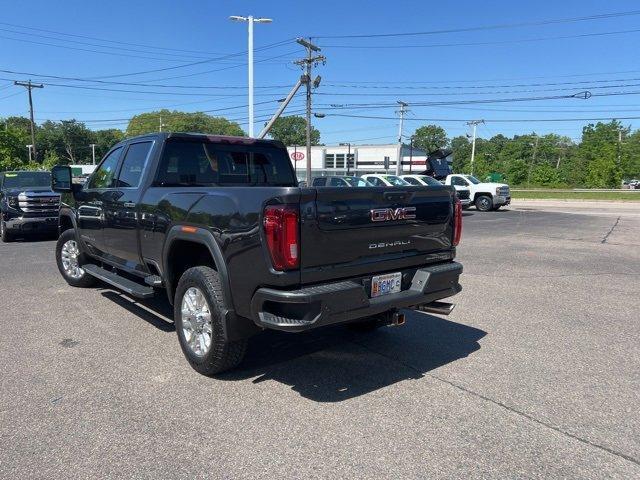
[26,179]
[473,179]
[430,180]
[357,182]
[395,181]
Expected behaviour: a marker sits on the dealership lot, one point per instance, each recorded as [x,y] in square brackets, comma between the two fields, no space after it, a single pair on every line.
[536,373]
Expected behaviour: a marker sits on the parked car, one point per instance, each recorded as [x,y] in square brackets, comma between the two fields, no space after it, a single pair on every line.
[346,181]
[485,196]
[463,193]
[27,204]
[220,226]
[384,180]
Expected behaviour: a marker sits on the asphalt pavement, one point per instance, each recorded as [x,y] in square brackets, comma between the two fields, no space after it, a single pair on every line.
[536,373]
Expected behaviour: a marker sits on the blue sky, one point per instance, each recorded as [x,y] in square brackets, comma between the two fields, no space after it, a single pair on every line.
[600,56]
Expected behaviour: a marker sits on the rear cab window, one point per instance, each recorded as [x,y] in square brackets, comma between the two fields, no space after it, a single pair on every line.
[197,162]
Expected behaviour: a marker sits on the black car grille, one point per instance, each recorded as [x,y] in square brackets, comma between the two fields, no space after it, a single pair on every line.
[39,206]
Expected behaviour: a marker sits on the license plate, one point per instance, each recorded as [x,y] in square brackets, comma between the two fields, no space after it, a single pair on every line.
[385,284]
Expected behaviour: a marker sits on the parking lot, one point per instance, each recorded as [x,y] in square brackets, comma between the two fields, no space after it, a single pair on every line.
[535,374]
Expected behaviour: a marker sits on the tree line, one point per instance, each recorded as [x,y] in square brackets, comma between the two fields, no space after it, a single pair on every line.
[605,154]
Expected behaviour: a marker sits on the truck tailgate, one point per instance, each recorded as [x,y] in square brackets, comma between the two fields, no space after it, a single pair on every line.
[354,231]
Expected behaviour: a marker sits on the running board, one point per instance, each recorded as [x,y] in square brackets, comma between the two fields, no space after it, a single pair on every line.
[128,286]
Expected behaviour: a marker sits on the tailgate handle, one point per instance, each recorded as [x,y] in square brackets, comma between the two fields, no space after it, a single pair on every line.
[397,196]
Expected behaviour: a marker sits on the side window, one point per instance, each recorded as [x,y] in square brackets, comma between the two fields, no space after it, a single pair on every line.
[459,182]
[376,181]
[337,182]
[103,176]
[318,182]
[411,180]
[133,164]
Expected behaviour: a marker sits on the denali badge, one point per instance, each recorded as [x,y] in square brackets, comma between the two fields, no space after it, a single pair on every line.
[397,243]
[387,214]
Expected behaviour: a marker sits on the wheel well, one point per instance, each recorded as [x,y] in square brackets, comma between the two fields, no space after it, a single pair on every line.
[482,194]
[183,255]
[65,223]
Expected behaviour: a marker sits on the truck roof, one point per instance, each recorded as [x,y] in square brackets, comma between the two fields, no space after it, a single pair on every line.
[209,138]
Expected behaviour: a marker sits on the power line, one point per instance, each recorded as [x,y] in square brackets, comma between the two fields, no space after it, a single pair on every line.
[201,62]
[106,82]
[479,44]
[510,120]
[490,27]
[106,40]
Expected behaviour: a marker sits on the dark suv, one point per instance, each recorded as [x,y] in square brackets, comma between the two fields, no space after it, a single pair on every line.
[27,204]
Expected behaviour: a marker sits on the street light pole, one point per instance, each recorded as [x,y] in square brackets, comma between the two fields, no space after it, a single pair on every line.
[475,124]
[93,153]
[29,149]
[348,144]
[250,20]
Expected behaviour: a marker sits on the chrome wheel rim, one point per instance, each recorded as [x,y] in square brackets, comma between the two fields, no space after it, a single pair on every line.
[69,256]
[484,204]
[196,322]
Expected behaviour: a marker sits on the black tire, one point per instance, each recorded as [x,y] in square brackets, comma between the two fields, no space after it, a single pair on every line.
[5,236]
[368,324]
[84,281]
[484,203]
[222,355]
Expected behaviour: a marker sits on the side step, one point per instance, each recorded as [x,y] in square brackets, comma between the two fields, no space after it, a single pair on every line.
[128,286]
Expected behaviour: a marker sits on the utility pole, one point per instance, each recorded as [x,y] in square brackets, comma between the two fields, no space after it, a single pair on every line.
[474,124]
[93,152]
[29,86]
[307,64]
[29,150]
[403,110]
[411,154]
[619,146]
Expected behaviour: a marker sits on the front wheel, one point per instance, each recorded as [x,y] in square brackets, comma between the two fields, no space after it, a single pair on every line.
[5,236]
[198,315]
[484,203]
[70,261]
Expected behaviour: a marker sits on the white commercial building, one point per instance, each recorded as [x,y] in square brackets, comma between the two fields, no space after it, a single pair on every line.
[330,160]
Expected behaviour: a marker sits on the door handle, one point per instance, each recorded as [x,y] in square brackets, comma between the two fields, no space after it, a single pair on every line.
[129,205]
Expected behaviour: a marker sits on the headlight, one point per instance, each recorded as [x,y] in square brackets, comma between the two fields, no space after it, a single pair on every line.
[497,190]
[13,202]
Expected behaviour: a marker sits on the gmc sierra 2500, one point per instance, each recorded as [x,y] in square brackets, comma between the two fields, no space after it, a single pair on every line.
[220,224]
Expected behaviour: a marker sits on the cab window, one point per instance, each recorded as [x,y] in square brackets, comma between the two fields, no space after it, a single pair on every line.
[103,176]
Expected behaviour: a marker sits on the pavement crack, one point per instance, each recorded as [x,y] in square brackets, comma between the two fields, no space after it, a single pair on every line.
[500,404]
[604,239]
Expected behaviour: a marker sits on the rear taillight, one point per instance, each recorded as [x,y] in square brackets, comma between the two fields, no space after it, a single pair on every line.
[281,227]
[457,222]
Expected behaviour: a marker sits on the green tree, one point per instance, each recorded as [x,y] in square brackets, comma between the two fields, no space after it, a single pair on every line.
[599,151]
[174,121]
[292,130]
[69,139]
[13,153]
[430,138]
[105,139]
[545,175]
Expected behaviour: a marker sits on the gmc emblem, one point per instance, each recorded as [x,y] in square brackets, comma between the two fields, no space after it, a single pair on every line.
[388,214]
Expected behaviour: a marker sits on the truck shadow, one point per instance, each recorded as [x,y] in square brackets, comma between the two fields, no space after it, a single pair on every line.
[335,364]
[156,311]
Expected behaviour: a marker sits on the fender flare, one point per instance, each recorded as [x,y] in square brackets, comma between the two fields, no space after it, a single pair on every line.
[203,237]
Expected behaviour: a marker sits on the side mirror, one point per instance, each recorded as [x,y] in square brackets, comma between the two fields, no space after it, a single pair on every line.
[61,179]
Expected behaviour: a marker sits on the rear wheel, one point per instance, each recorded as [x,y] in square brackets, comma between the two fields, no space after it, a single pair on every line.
[198,314]
[484,203]
[5,236]
[70,260]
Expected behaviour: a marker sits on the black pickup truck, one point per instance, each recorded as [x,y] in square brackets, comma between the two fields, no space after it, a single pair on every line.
[220,224]
[27,204]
